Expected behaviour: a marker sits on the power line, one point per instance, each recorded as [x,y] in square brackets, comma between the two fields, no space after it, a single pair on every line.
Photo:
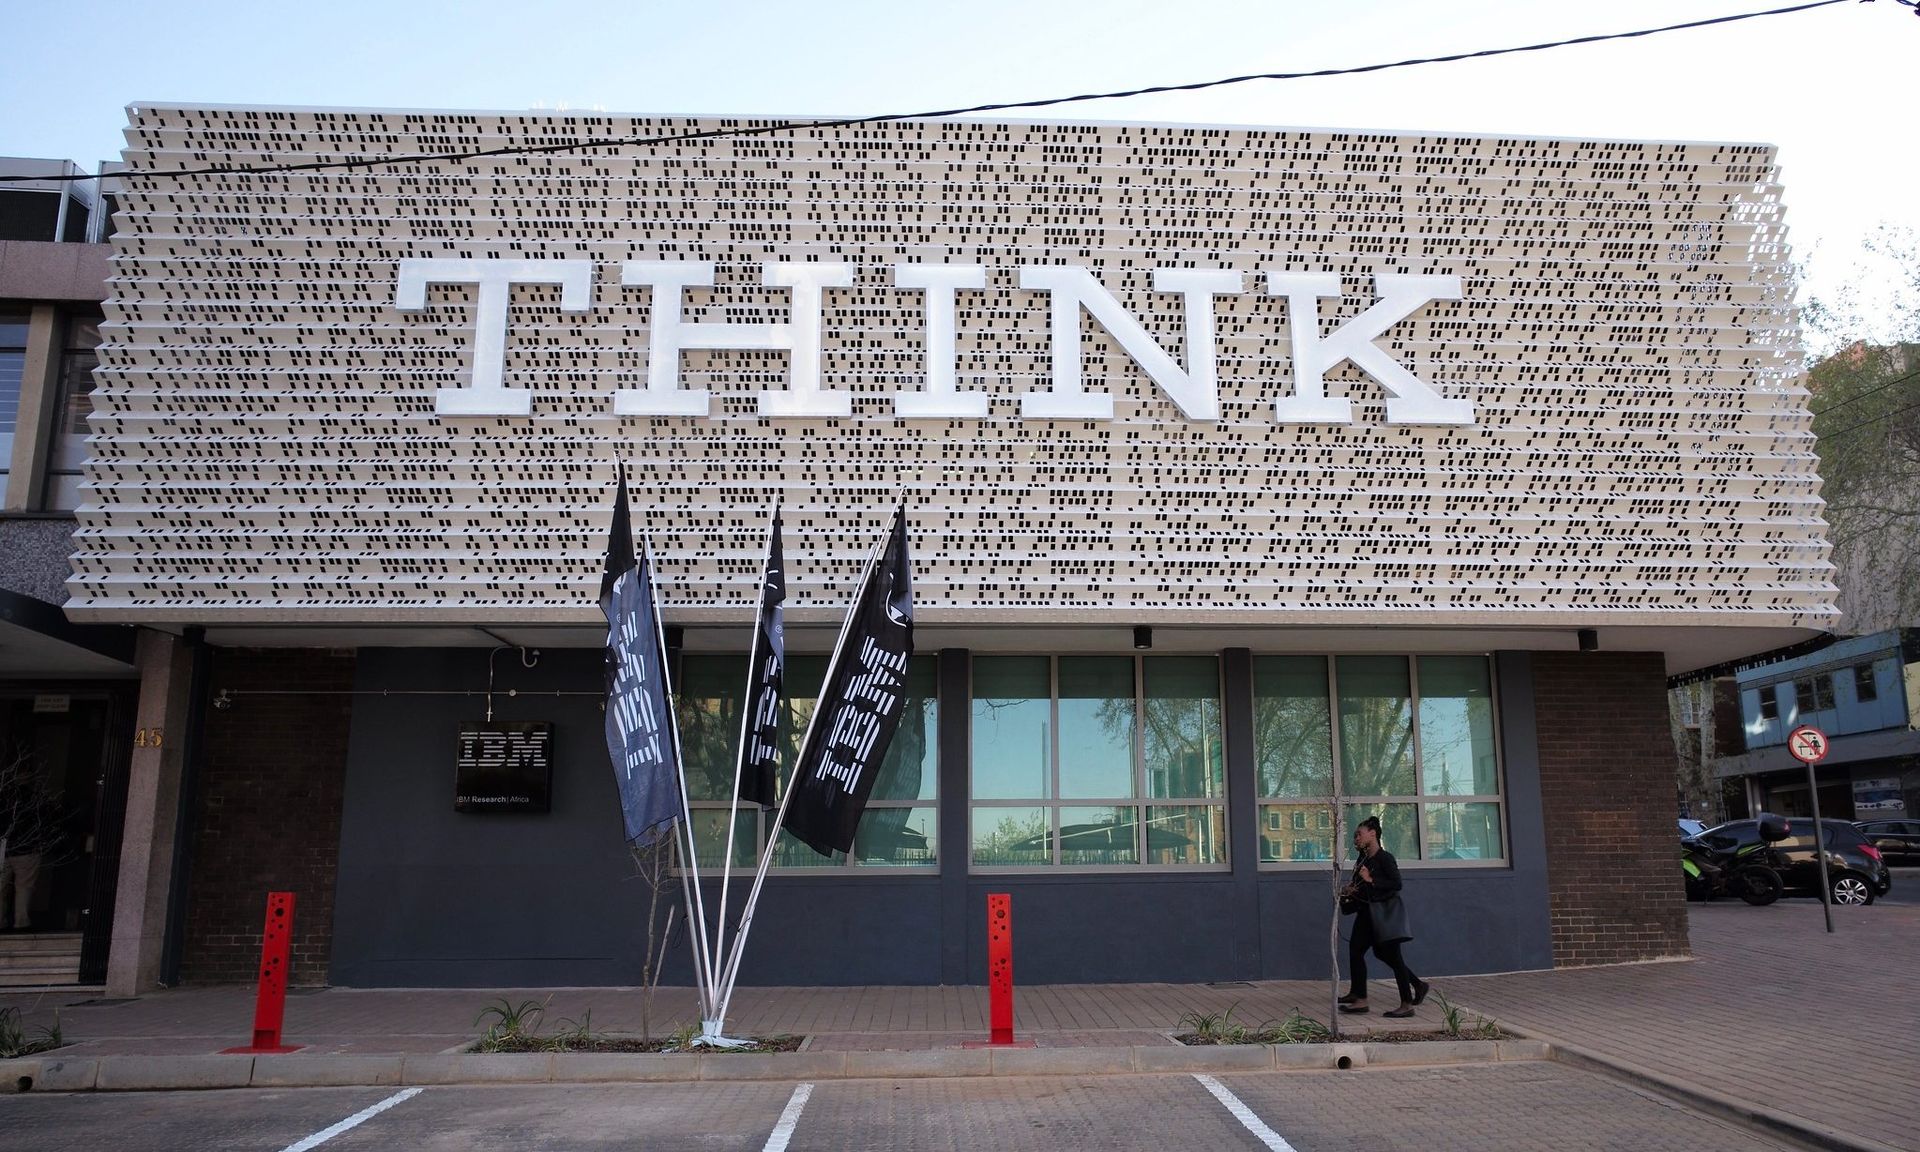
[1863,395]
[1869,420]
[852,121]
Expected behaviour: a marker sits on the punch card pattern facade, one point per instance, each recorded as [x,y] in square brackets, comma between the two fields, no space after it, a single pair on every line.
[267,446]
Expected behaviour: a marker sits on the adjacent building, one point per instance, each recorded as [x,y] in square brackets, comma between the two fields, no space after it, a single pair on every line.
[1255,476]
[1864,693]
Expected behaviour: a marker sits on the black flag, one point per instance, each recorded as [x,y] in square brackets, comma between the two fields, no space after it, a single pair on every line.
[860,705]
[639,731]
[765,669]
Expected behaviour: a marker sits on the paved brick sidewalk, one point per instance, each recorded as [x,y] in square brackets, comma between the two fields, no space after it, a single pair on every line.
[1772,1010]
[200,1020]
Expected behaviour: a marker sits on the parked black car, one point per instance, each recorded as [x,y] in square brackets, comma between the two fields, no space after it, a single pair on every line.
[1897,840]
[1854,868]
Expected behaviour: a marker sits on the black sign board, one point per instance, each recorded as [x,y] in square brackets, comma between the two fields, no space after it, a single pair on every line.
[504,768]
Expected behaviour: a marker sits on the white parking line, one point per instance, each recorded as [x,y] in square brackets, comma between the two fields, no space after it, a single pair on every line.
[353,1121]
[1244,1114]
[783,1130]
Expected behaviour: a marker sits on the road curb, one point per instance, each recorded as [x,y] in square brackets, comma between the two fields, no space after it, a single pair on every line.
[1707,1100]
[294,1070]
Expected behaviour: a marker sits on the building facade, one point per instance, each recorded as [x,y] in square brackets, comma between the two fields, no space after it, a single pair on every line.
[1258,480]
[66,690]
[1864,693]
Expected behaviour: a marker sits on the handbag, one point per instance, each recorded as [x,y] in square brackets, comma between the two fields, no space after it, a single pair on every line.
[1350,900]
[1389,918]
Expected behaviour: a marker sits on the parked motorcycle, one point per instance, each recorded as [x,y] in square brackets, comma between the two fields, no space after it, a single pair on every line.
[1750,871]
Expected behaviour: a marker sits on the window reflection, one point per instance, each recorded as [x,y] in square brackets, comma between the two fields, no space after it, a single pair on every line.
[1376,726]
[898,827]
[1127,727]
[1437,795]
[1292,730]
[1456,727]
[1096,726]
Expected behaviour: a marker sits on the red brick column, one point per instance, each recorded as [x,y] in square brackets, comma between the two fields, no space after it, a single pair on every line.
[1607,772]
[267,817]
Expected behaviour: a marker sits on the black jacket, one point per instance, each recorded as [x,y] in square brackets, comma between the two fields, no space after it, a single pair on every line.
[1385,871]
[1386,922]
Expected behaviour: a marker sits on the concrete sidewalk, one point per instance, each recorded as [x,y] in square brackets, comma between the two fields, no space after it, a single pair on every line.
[1773,1017]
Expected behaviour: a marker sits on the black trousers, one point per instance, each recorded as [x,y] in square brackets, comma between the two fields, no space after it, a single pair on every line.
[1357,945]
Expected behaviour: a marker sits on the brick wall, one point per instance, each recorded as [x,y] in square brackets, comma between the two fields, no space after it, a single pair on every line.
[267,818]
[1607,792]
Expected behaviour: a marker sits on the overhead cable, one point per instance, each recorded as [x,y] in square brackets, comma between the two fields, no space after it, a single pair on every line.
[944,113]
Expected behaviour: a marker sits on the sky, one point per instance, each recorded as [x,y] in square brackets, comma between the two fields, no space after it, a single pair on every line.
[1830,87]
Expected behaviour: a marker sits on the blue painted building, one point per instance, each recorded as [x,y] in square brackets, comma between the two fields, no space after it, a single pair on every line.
[1864,693]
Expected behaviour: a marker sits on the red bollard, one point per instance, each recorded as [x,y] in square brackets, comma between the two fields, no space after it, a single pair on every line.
[999,975]
[270,1003]
[1000,966]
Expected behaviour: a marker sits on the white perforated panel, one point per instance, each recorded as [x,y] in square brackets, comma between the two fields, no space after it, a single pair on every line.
[271,445]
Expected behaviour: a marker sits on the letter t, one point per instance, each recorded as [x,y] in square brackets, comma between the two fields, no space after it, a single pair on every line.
[489,395]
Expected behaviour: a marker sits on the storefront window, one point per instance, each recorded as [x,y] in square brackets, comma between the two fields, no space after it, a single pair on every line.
[899,827]
[1097,761]
[1416,748]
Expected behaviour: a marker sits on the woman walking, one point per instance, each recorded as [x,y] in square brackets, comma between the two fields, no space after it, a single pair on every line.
[1380,923]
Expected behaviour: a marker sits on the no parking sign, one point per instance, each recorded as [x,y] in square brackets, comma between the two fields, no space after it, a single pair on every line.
[1807,744]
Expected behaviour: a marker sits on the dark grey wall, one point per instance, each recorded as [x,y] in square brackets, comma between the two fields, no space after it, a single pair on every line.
[428,896]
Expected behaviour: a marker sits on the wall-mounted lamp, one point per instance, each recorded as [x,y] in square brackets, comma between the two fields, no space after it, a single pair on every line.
[1589,640]
[1142,636]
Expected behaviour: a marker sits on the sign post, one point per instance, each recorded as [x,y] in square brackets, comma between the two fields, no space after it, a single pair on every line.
[1809,746]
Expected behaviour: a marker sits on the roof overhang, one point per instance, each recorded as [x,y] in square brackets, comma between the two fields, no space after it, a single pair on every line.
[37,641]
[1684,648]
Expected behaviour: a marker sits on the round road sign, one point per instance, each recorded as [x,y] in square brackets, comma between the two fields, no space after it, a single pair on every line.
[1808,744]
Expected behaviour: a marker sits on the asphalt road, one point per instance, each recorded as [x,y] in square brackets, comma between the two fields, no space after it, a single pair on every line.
[1474,1108]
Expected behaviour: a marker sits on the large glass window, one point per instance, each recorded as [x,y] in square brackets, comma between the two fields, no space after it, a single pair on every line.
[13,365]
[899,827]
[1407,739]
[1097,761]
[77,361]
[79,356]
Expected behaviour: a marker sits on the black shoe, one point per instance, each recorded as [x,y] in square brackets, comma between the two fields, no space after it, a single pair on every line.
[1420,990]
[1352,998]
[1401,1013]
[1353,1009]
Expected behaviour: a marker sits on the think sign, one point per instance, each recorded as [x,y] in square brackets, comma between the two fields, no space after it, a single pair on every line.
[1194,387]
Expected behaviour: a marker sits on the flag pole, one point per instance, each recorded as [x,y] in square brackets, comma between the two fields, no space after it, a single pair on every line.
[690,872]
[732,970]
[740,759]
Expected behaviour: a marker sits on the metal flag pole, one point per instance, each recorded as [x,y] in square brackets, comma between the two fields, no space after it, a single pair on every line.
[690,870]
[740,760]
[732,970]
[686,894]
